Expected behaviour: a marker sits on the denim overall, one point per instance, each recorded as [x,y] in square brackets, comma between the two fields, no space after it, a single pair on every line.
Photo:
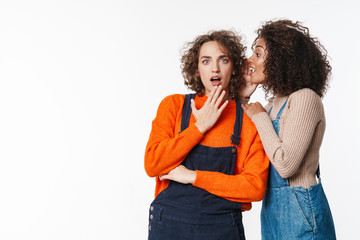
[294,212]
[183,211]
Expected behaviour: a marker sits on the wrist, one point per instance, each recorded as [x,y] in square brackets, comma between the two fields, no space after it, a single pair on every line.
[192,176]
[201,129]
[244,100]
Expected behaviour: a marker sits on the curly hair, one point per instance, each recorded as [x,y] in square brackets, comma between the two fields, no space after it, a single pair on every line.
[293,59]
[190,59]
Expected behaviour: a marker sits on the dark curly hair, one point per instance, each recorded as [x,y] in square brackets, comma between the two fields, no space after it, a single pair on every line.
[190,59]
[293,59]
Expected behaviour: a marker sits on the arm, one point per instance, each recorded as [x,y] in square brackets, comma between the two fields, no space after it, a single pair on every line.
[165,150]
[247,185]
[302,118]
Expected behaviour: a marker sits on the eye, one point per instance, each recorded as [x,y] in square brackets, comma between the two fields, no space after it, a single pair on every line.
[257,54]
[205,61]
[224,60]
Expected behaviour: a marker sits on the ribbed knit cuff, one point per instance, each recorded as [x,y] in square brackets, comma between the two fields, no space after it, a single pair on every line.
[200,180]
[244,100]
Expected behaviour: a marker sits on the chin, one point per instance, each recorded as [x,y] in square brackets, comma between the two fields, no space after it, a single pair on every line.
[257,81]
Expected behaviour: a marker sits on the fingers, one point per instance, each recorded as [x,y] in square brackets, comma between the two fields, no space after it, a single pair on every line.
[214,94]
[210,97]
[193,106]
[251,105]
[223,106]
[253,108]
[163,177]
[219,96]
[247,109]
[210,112]
[217,93]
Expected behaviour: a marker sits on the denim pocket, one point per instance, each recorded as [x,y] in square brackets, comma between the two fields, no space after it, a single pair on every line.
[303,205]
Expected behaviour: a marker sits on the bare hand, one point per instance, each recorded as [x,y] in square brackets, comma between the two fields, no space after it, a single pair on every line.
[253,108]
[249,88]
[207,116]
[180,174]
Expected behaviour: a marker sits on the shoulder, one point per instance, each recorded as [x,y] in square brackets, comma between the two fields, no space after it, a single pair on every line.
[305,99]
[174,97]
[170,105]
[305,95]
[248,125]
[173,100]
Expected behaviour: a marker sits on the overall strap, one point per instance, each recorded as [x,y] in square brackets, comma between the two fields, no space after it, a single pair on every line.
[280,111]
[318,172]
[186,112]
[235,138]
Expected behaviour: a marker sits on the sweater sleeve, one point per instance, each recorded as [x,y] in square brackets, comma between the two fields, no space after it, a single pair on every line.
[247,185]
[305,111]
[165,150]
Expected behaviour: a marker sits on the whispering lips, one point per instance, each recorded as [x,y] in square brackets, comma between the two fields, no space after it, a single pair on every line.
[216,81]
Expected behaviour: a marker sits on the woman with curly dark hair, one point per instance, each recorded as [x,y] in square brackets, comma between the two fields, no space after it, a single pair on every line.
[293,67]
[205,177]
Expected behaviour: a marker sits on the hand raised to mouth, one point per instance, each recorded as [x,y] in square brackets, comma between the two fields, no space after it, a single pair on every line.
[207,116]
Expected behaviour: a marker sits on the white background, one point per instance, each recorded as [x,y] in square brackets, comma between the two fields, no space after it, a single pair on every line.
[80,83]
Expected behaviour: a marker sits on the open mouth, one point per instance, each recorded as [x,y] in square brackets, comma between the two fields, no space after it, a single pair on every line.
[216,81]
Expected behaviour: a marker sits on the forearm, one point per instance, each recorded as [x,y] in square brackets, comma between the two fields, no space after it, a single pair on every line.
[249,182]
[164,154]
[244,187]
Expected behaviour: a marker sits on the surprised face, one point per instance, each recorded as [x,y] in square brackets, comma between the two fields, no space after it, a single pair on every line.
[214,67]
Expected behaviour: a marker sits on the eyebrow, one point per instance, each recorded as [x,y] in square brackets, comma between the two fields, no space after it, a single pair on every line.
[221,56]
[259,46]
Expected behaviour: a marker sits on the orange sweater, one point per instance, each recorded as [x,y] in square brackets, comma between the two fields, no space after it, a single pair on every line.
[167,148]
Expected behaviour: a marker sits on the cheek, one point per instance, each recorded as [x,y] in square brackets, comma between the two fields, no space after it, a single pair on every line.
[229,70]
[200,73]
[262,65]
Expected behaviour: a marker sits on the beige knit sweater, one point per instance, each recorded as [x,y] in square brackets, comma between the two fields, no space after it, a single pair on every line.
[295,152]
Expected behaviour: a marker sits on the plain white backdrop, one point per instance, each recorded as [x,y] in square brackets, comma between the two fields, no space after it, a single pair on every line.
[80,83]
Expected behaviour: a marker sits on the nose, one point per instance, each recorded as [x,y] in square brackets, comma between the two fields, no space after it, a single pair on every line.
[251,58]
[215,67]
